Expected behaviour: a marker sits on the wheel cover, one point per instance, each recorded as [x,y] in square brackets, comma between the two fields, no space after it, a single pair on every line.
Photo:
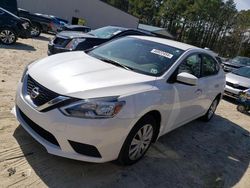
[141,142]
[34,31]
[241,108]
[212,109]
[7,36]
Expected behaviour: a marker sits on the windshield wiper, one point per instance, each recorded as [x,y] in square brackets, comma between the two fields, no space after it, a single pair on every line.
[115,63]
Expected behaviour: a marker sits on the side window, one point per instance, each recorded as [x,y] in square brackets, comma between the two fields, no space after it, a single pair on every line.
[209,66]
[191,65]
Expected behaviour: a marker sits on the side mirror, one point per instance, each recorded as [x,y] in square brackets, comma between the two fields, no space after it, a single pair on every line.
[187,78]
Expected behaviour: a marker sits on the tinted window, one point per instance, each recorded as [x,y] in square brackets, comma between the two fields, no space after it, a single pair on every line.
[107,32]
[191,65]
[241,60]
[143,56]
[209,66]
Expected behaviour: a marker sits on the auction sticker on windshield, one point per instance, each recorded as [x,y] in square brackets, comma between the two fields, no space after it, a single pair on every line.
[162,53]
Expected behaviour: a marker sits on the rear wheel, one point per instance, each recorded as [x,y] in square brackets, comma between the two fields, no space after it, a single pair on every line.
[8,36]
[138,141]
[241,108]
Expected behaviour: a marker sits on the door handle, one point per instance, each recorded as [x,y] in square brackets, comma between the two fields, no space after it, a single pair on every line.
[216,85]
[198,92]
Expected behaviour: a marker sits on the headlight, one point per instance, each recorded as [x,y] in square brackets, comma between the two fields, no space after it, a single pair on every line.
[73,43]
[94,108]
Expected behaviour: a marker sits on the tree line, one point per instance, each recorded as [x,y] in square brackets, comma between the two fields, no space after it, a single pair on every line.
[215,24]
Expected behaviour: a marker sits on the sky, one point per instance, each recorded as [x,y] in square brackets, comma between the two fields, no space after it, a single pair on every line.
[242,4]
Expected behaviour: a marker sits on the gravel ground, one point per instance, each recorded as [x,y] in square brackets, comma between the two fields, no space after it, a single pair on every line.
[214,154]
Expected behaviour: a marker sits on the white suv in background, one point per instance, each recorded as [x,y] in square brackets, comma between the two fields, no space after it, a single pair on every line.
[113,101]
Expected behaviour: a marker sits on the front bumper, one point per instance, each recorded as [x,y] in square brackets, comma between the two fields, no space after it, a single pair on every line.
[106,135]
[232,92]
[24,33]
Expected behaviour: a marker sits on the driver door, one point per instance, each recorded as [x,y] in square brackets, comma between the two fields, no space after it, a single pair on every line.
[186,99]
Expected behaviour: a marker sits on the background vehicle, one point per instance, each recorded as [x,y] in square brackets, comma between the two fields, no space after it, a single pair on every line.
[80,28]
[72,41]
[12,27]
[244,101]
[9,5]
[41,23]
[237,81]
[115,100]
[236,63]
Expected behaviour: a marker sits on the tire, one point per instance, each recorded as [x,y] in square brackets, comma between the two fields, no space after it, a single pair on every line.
[210,112]
[129,154]
[241,108]
[7,36]
[35,30]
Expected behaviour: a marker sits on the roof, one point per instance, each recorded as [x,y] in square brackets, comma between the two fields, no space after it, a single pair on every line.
[172,43]
[156,30]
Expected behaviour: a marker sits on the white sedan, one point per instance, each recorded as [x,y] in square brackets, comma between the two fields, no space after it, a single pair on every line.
[112,102]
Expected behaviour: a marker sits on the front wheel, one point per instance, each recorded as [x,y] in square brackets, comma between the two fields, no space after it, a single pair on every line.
[138,141]
[210,113]
[7,36]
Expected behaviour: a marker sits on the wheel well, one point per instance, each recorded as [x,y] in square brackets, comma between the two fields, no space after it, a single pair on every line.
[218,97]
[157,116]
[38,24]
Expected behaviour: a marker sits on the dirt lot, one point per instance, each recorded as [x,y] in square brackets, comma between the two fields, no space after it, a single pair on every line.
[214,154]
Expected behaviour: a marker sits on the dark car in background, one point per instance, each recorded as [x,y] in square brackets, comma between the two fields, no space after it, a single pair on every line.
[80,28]
[12,27]
[72,41]
[42,23]
[236,63]
[9,5]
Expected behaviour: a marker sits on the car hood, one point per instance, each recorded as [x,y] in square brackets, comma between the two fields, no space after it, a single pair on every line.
[75,34]
[233,64]
[77,74]
[239,80]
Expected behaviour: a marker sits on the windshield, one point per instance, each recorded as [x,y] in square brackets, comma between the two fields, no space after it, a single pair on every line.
[142,56]
[241,60]
[244,71]
[106,32]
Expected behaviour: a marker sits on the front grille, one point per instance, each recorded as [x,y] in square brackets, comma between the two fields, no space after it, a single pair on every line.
[61,41]
[231,94]
[45,95]
[236,86]
[39,130]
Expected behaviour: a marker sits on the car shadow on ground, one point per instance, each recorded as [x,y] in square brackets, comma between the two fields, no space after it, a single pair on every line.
[230,99]
[18,46]
[213,154]
[43,38]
